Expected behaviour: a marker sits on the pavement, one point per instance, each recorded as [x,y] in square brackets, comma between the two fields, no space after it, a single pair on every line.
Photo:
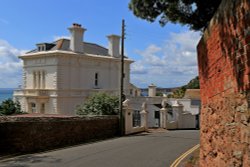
[157,148]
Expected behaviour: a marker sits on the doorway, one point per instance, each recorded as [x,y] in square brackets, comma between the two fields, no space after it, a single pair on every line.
[157,118]
[42,109]
[33,107]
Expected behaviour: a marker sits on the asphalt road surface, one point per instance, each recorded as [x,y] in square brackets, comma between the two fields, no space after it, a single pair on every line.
[157,149]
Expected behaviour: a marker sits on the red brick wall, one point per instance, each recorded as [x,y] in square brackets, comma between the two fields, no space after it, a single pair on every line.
[224,70]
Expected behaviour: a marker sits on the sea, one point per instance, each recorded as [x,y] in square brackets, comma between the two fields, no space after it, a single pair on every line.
[6,93]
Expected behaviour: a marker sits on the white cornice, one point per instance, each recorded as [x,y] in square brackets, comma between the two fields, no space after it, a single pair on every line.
[70,53]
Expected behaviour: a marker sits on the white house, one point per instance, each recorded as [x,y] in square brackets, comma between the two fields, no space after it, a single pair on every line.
[177,114]
[58,76]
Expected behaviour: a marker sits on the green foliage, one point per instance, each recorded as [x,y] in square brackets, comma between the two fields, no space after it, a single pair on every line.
[192,84]
[179,93]
[194,13]
[9,107]
[99,104]
[159,94]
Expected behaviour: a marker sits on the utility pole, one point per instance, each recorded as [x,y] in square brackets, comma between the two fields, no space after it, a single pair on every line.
[122,96]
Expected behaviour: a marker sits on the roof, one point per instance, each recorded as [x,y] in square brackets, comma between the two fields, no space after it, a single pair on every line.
[138,106]
[192,94]
[64,45]
[133,86]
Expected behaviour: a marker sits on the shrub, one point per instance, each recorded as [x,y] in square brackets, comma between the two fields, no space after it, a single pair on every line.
[99,104]
[9,107]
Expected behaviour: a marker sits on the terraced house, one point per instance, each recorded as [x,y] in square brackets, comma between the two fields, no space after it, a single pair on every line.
[58,76]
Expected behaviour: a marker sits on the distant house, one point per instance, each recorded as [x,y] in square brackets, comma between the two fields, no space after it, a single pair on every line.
[159,91]
[59,75]
[194,95]
[181,113]
[134,91]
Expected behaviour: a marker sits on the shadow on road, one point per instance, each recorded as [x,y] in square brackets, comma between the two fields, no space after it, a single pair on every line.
[166,135]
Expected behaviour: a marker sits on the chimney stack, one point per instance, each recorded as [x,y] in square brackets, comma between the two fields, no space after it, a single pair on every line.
[152,90]
[76,38]
[114,46]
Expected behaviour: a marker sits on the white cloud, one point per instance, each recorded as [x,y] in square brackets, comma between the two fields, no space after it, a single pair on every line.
[138,68]
[150,55]
[10,65]
[173,63]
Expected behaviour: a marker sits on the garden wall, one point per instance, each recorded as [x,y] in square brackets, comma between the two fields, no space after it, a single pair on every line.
[224,71]
[30,134]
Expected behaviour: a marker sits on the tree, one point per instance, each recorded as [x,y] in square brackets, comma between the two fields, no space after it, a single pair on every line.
[159,94]
[179,93]
[9,107]
[194,13]
[192,84]
[99,104]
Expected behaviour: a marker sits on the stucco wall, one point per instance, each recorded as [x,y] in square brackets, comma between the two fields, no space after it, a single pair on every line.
[64,80]
[47,64]
[25,134]
[76,72]
[224,71]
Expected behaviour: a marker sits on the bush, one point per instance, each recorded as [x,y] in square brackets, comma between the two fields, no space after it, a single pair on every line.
[9,107]
[99,104]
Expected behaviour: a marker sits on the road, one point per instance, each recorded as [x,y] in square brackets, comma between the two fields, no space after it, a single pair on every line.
[157,149]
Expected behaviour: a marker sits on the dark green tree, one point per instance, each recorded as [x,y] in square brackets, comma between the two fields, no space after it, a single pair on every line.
[99,104]
[159,94]
[192,84]
[194,13]
[9,107]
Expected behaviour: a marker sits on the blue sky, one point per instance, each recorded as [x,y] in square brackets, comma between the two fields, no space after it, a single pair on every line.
[165,56]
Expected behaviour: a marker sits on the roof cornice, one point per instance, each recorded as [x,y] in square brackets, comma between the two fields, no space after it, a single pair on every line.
[69,53]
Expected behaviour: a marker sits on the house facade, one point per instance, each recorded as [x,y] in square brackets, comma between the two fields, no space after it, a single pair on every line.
[180,113]
[60,75]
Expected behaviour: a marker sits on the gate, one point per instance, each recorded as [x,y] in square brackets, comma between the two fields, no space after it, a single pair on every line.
[136,118]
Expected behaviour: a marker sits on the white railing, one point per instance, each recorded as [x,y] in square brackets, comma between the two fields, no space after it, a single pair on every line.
[31,92]
[68,92]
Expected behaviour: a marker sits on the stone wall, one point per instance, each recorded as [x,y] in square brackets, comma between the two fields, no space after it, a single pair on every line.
[224,70]
[25,134]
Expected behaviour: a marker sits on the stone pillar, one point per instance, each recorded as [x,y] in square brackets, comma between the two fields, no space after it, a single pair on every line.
[127,117]
[37,79]
[164,115]
[34,80]
[144,116]
[177,111]
[41,80]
